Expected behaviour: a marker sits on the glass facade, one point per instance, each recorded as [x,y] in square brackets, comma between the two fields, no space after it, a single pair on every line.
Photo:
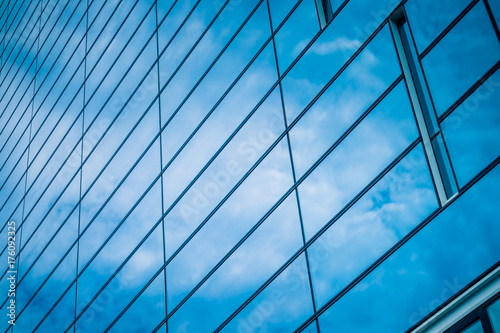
[246,165]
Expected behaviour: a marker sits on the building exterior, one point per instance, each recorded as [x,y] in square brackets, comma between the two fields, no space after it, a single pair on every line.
[250,166]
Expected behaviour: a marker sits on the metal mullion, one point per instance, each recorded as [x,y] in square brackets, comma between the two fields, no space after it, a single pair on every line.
[13,62]
[11,23]
[398,245]
[162,185]
[420,109]
[294,176]
[36,73]
[447,29]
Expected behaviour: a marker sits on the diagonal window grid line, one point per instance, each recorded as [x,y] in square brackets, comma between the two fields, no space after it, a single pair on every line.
[33,97]
[13,62]
[287,193]
[6,13]
[109,125]
[7,30]
[60,74]
[470,91]
[13,94]
[399,244]
[136,162]
[447,29]
[162,185]
[80,140]
[59,118]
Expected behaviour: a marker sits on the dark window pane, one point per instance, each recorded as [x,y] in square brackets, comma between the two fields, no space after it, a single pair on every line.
[440,260]
[461,58]
[474,328]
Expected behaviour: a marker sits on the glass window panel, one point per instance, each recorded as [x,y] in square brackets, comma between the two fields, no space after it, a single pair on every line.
[494,315]
[441,259]
[472,131]
[296,33]
[280,9]
[461,58]
[336,44]
[282,306]
[257,194]
[495,8]
[62,211]
[253,139]
[227,68]
[429,18]
[385,214]
[373,144]
[474,328]
[276,240]
[146,312]
[346,99]
[232,110]
[133,276]
[124,240]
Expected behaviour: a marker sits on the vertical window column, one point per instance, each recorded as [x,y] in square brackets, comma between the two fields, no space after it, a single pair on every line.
[435,150]
[325,13]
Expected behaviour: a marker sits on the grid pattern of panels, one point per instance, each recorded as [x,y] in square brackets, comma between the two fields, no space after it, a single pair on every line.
[246,166]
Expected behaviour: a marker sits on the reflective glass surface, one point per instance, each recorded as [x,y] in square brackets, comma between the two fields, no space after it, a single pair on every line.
[461,58]
[237,166]
[429,18]
[472,131]
[435,264]
[494,315]
[474,328]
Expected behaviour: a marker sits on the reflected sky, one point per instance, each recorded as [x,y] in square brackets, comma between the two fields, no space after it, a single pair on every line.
[431,267]
[222,109]
[461,58]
